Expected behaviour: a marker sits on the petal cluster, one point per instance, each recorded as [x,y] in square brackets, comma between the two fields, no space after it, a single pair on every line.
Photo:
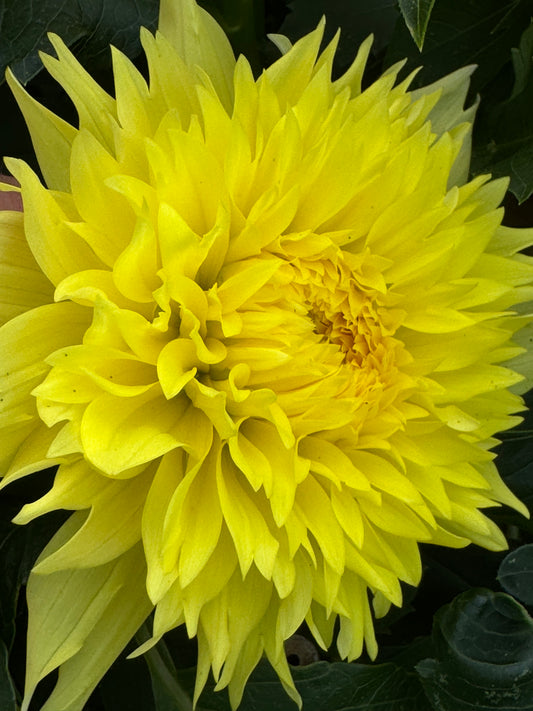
[263,332]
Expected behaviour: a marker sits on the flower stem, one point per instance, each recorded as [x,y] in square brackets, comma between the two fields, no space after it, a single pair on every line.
[163,672]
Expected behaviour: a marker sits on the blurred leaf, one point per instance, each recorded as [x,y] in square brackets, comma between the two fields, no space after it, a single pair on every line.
[484,655]
[328,687]
[7,689]
[504,139]
[516,573]
[91,25]
[416,14]
[522,61]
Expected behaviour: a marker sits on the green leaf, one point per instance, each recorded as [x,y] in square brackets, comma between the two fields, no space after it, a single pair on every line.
[416,14]
[480,32]
[484,655]
[91,25]
[522,61]
[504,142]
[489,34]
[7,689]
[516,573]
[71,611]
[328,687]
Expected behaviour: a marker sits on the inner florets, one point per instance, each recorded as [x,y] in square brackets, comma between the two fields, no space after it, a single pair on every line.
[356,334]
[342,313]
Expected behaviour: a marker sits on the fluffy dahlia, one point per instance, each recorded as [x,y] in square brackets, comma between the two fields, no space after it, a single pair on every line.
[260,326]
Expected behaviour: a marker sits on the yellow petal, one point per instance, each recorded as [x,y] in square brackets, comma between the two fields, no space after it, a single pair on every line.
[112,526]
[96,109]
[251,536]
[100,206]
[199,41]
[23,286]
[57,249]
[51,136]
[118,434]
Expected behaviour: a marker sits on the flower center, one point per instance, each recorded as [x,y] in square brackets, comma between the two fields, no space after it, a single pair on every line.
[356,334]
[342,313]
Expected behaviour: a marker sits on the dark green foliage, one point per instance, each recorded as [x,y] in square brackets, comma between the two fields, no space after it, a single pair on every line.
[480,652]
[416,14]
[483,655]
[89,27]
[516,574]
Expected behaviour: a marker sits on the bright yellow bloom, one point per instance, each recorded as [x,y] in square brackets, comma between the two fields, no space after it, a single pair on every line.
[260,327]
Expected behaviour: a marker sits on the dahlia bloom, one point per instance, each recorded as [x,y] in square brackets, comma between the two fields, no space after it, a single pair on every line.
[262,327]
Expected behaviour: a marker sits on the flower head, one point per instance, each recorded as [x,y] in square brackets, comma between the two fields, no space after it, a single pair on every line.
[260,326]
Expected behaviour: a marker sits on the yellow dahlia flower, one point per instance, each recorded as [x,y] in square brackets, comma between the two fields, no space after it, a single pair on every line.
[260,326]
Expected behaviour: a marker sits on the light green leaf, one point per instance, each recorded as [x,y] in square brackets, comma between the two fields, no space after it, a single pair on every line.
[416,14]
[80,620]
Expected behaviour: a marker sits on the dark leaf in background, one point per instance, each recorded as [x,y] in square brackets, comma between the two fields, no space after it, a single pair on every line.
[515,464]
[486,33]
[91,25]
[516,574]
[484,655]
[87,27]
[328,687]
[482,642]
[7,689]
[416,14]
[126,686]
[167,690]
[19,548]
[357,19]
[504,138]
[446,574]
[243,21]
[480,32]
